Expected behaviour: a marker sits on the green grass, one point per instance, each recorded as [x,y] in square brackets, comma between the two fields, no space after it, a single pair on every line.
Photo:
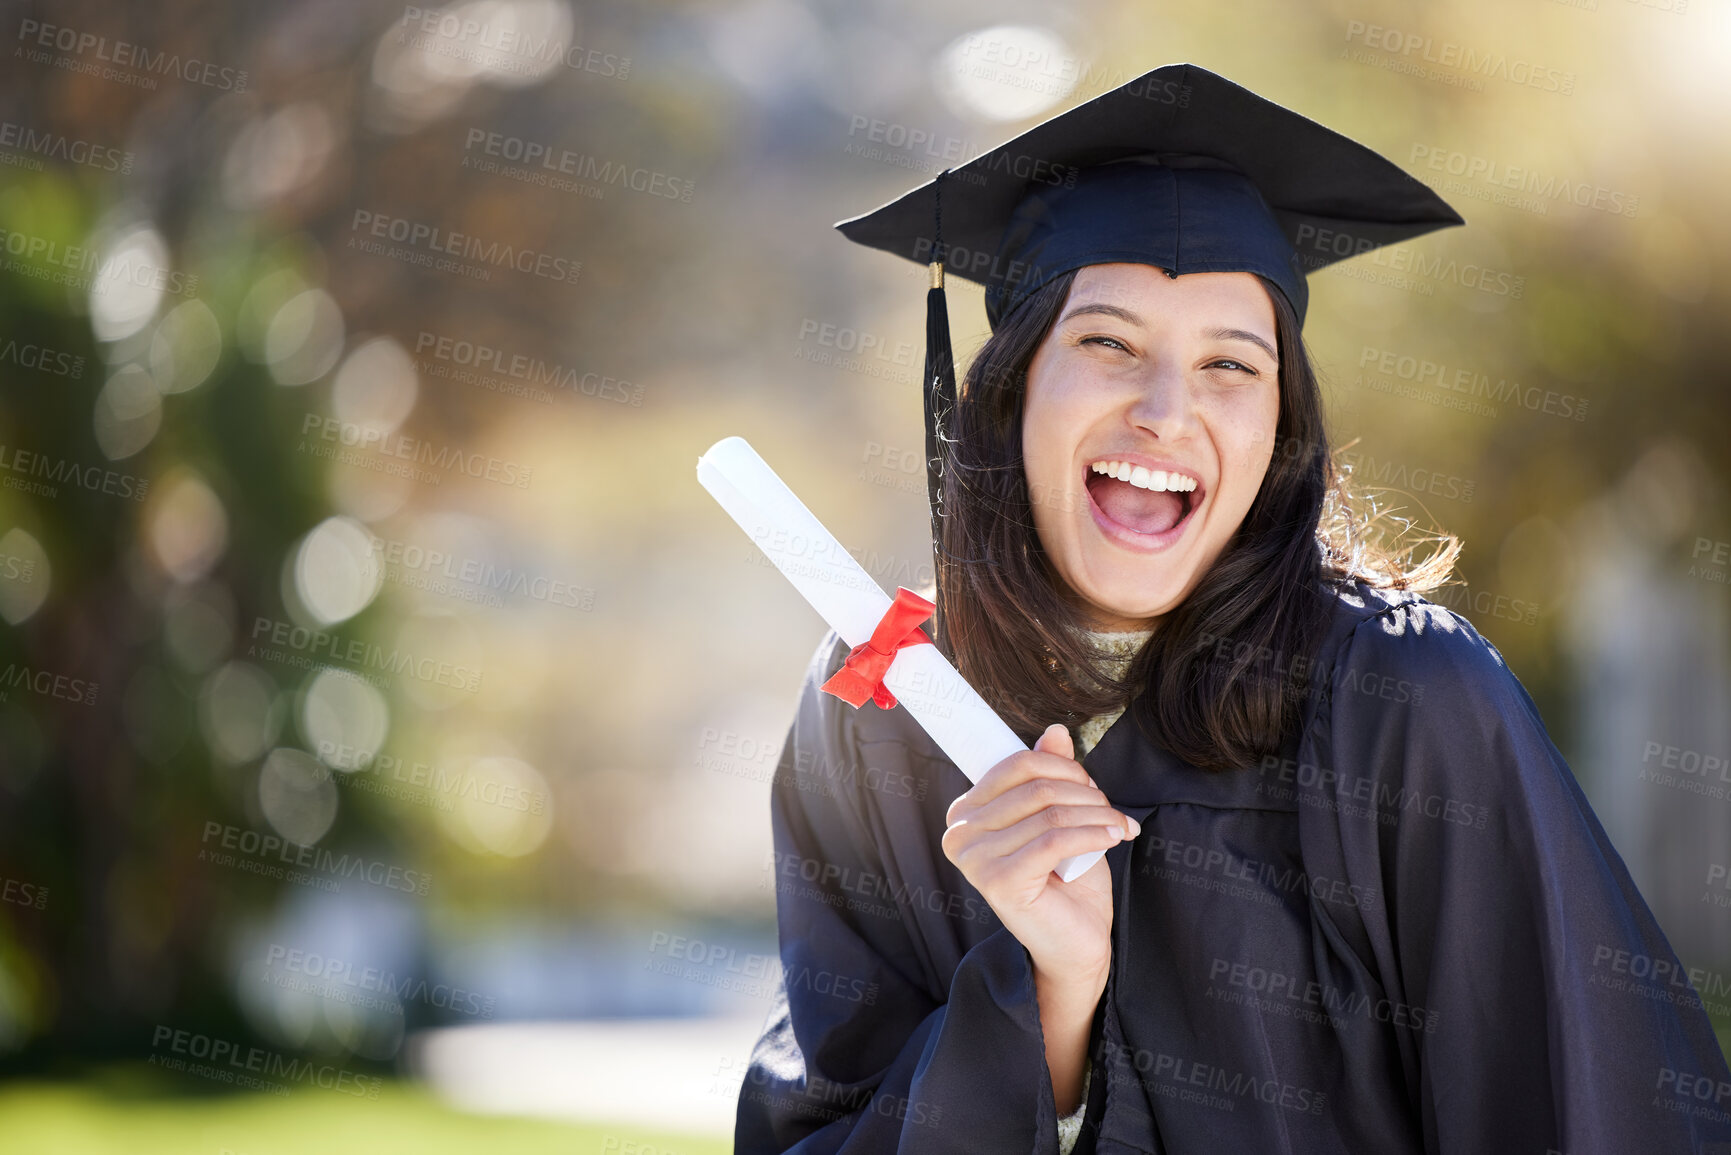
[137,1112]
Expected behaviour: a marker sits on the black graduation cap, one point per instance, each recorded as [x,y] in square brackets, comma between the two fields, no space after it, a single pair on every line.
[1179,168]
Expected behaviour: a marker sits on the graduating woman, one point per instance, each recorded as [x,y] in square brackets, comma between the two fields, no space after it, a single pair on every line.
[1352,898]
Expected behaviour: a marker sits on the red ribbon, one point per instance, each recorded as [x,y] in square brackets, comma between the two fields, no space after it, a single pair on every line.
[862,675]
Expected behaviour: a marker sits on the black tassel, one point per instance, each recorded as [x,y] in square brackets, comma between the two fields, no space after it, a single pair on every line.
[940,401]
[940,389]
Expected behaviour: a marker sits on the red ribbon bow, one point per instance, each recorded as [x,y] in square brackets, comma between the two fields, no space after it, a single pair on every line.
[862,675]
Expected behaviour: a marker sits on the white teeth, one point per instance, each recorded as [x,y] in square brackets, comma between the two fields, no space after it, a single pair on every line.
[1144,478]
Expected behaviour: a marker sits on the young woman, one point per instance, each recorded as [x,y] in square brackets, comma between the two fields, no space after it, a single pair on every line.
[1352,899]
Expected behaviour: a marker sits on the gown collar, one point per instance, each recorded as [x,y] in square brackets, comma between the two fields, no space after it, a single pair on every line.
[1138,773]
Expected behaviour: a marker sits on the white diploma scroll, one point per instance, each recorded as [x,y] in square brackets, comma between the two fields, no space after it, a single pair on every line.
[844,594]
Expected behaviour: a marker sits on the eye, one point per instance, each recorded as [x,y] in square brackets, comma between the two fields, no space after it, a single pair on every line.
[1230,364]
[1113,341]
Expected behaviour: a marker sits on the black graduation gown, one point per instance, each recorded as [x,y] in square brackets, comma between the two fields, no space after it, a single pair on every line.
[1408,933]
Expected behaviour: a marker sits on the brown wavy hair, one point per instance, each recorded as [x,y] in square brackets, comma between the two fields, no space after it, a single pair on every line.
[1226,671]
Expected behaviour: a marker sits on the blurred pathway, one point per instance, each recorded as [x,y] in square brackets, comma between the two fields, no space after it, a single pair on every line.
[669,1074]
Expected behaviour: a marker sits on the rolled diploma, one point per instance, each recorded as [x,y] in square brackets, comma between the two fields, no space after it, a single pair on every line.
[844,594]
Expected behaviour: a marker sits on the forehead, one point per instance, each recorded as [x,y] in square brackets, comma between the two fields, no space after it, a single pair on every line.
[1201,297]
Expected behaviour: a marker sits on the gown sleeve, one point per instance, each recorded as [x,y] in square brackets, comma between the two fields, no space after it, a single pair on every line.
[1508,918]
[941,1050]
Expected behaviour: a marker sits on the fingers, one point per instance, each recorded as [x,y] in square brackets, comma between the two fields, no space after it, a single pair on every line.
[1013,771]
[1028,813]
[1056,740]
[1028,852]
[1018,819]
[1035,795]
[1014,838]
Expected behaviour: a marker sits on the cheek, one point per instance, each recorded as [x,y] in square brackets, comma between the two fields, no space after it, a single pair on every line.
[1245,437]
[1049,431]
[1052,427]
[1042,465]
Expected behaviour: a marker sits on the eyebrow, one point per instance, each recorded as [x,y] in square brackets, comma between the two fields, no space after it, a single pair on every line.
[1245,335]
[1104,310]
[1123,314]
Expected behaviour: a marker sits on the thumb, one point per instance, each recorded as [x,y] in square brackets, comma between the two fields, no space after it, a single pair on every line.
[1056,740]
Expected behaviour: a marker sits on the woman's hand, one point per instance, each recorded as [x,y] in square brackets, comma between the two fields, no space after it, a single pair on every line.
[1007,835]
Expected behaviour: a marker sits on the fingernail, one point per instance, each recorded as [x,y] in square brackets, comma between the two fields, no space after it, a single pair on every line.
[1135,826]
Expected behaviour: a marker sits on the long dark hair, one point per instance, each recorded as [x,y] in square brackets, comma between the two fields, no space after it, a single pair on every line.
[1226,671]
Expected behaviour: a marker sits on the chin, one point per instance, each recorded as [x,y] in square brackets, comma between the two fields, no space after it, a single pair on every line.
[1136,598]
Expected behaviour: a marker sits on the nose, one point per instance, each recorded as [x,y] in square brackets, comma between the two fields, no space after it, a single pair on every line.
[1164,403]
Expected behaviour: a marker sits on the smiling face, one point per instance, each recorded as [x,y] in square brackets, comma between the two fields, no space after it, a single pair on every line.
[1161,376]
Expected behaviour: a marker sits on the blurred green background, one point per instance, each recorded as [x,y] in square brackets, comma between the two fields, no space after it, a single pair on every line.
[382,699]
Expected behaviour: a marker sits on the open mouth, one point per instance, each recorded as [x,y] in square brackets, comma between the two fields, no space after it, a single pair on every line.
[1145,506]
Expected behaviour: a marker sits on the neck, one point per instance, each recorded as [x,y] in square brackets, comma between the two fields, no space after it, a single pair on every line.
[1116,625]
[1099,620]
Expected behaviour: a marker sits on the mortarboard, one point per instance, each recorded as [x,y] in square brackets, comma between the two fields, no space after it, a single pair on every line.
[1179,168]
